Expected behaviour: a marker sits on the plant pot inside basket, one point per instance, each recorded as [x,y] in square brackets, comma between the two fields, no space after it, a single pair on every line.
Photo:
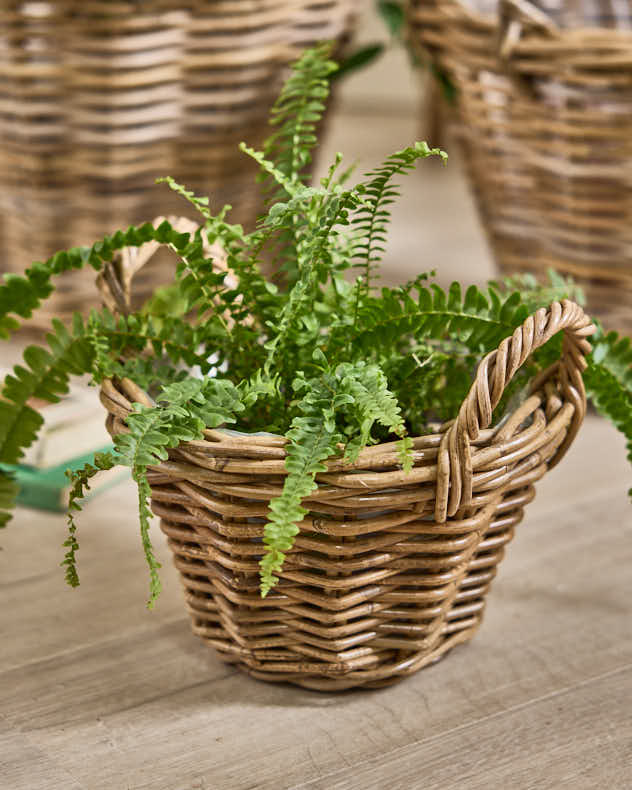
[390,570]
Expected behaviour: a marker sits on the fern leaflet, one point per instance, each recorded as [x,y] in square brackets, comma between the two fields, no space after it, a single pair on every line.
[8,494]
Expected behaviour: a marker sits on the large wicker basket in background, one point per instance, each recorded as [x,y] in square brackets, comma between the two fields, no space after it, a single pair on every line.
[545,117]
[99,98]
[389,570]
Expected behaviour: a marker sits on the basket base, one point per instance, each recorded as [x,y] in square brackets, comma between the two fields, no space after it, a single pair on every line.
[343,680]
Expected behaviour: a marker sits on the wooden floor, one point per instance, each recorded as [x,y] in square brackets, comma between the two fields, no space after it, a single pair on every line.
[97,693]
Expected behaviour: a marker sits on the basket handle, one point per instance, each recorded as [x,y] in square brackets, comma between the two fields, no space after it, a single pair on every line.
[115,279]
[514,15]
[495,371]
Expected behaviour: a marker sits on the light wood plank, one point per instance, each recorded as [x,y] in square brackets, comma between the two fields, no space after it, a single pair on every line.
[103,679]
[24,767]
[579,737]
[46,617]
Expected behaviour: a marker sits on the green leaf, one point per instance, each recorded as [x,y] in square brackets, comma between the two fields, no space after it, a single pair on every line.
[357,60]
[9,490]
[393,15]
[45,376]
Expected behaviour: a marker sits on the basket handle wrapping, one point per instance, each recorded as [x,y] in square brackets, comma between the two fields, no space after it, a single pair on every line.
[495,371]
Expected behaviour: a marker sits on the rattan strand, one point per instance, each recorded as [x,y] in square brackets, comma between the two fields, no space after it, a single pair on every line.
[389,570]
[98,99]
[545,119]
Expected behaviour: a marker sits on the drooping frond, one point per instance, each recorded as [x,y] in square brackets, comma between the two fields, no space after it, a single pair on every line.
[358,389]
[79,485]
[313,438]
[184,409]
[8,494]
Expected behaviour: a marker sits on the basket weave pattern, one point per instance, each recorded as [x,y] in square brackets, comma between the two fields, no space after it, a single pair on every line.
[389,570]
[545,118]
[99,98]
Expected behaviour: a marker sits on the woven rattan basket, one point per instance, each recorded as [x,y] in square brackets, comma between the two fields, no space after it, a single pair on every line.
[545,117]
[99,98]
[389,570]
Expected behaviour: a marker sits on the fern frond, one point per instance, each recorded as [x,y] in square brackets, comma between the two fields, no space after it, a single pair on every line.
[608,380]
[297,111]
[288,151]
[202,285]
[186,408]
[371,402]
[372,217]
[171,337]
[9,490]
[211,402]
[614,354]
[79,485]
[479,320]
[144,513]
[535,294]
[258,386]
[200,203]
[21,294]
[430,379]
[269,168]
[315,259]
[151,433]
[314,436]
[612,399]
[44,375]
[312,439]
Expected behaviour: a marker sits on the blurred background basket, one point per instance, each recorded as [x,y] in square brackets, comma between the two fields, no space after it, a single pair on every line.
[98,98]
[544,114]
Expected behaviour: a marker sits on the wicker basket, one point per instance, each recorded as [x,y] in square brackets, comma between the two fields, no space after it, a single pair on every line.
[545,117]
[389,570]
[99,98]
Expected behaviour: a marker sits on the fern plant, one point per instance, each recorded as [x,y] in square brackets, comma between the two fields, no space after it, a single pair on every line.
[325,358]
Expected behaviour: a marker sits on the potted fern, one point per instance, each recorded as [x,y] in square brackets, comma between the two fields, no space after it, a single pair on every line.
[336,468]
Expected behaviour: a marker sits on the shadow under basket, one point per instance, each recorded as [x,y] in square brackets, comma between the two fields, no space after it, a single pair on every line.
[389,570]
